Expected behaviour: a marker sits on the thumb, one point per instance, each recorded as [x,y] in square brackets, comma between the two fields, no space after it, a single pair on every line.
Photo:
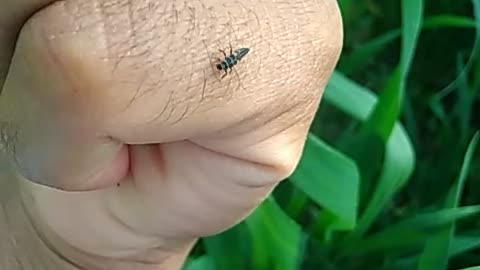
[43,123]
[13,15]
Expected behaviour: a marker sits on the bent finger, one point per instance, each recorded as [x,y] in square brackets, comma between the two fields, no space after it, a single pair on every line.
[94,76]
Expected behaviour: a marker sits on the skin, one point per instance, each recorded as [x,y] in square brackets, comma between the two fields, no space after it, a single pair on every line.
[107,92]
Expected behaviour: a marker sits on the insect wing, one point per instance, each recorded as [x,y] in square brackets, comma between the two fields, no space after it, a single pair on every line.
[241,52]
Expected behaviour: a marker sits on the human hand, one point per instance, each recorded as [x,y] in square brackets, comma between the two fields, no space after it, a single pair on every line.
[100,93]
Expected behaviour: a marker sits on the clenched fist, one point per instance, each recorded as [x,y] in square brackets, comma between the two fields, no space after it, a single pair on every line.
[121,141]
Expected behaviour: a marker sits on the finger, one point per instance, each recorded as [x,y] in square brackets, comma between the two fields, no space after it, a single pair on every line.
[12,16]
[202,151]
[90,77]
[50,132]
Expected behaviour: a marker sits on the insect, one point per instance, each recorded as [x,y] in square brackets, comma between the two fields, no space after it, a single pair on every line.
[229,61]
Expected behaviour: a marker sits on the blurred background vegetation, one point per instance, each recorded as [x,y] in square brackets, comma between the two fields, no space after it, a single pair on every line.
[389,178]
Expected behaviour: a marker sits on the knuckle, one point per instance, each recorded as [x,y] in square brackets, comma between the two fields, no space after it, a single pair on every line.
[154,52]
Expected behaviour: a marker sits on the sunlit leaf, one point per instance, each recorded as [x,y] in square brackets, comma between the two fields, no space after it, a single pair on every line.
[326,175]
[399,157]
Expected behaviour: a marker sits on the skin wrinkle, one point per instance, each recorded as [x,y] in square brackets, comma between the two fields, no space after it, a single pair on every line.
[267,136]
[259,166]
[158,247]
[154,248]
[91,261]
[209,200]
[43,239]
[194,187]
[257,121]
[114,216]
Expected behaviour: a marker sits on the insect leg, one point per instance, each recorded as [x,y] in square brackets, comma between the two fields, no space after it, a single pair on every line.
[224,74]
[239,80]
[231,50]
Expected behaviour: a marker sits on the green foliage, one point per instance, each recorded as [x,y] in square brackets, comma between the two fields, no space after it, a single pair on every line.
[325,175]
[390,175]
[435,254]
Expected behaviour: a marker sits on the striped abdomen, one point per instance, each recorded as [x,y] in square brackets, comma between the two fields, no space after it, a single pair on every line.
[228,62]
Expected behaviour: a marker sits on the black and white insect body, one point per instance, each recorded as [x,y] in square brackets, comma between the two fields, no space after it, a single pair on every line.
[231,60]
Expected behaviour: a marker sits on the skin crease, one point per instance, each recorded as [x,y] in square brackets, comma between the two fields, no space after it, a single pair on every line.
[118,91]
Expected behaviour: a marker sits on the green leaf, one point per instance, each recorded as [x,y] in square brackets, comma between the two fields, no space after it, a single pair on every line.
[368,152]
[201,263]
[387,110]
[297,203]
[326,175]
[455,193]
[472,268]
[465,99]
[458,245]
[439,21]
[474,53]
[349,97]
[399,157]
[435,254]
[350,63]
[223,254]
[412,17]
[463,243]
[276,238]
[410,232]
